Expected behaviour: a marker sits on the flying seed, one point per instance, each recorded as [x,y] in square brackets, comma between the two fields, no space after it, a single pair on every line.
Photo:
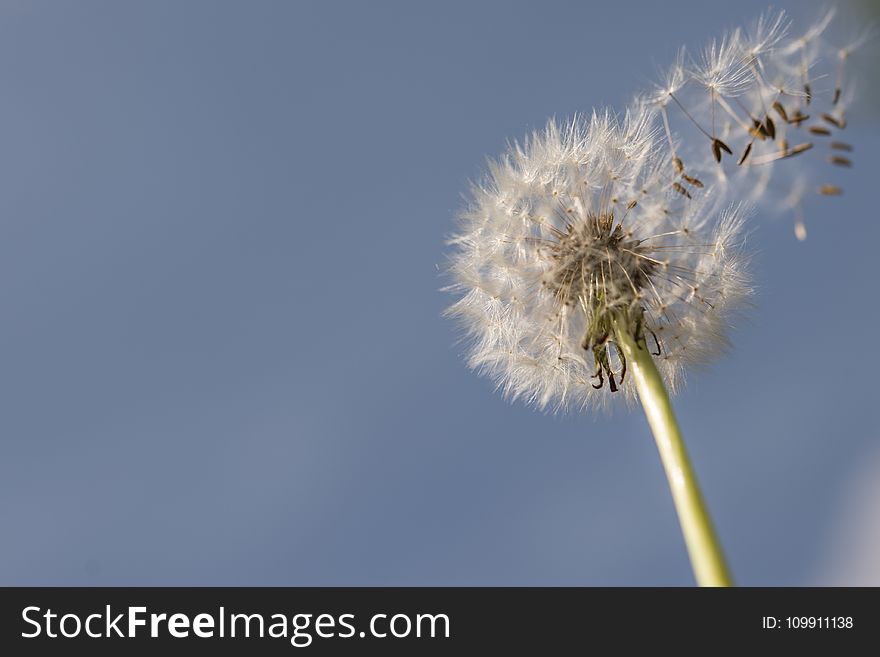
[809,92]
[819,130]
[678,164]
[745,155]
[696,182]
[798,118]
[841,161]
[836,96]
[717,147]
[830,190]
[782,154]
[800,148]
[758,130]
[770,127]
[841,146]
[681,189]
[781,111]
[833,120]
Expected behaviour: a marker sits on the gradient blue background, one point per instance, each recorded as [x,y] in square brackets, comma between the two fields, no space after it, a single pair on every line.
[222,357]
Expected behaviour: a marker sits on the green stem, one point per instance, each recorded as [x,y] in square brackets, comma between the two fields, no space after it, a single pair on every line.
[702,543]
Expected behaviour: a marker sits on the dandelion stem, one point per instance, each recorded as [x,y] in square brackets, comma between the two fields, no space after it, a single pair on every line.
[707,559]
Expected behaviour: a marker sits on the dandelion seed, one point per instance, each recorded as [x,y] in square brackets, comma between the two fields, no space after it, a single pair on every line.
[753,92]
[681,189]
[781,110]
[840,124]
[830,190]
[769,127]
[696,182]
[800,229]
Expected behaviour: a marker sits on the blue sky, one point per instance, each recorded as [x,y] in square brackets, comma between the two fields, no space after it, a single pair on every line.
[224,359]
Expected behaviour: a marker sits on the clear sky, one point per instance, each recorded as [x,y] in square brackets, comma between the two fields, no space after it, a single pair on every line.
[223,358]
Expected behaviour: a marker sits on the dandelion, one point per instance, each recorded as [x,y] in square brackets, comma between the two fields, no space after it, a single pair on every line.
[579,259]
[603,256]
[579,229]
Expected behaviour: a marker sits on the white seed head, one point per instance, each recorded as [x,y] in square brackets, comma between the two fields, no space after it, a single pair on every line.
[580,225]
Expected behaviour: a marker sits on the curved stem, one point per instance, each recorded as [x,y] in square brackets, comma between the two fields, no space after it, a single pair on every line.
[703,547]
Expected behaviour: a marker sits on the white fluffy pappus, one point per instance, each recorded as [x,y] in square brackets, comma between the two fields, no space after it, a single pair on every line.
[761,112]
[583,229]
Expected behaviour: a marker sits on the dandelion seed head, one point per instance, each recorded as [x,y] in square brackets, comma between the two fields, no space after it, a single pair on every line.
[577,227]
